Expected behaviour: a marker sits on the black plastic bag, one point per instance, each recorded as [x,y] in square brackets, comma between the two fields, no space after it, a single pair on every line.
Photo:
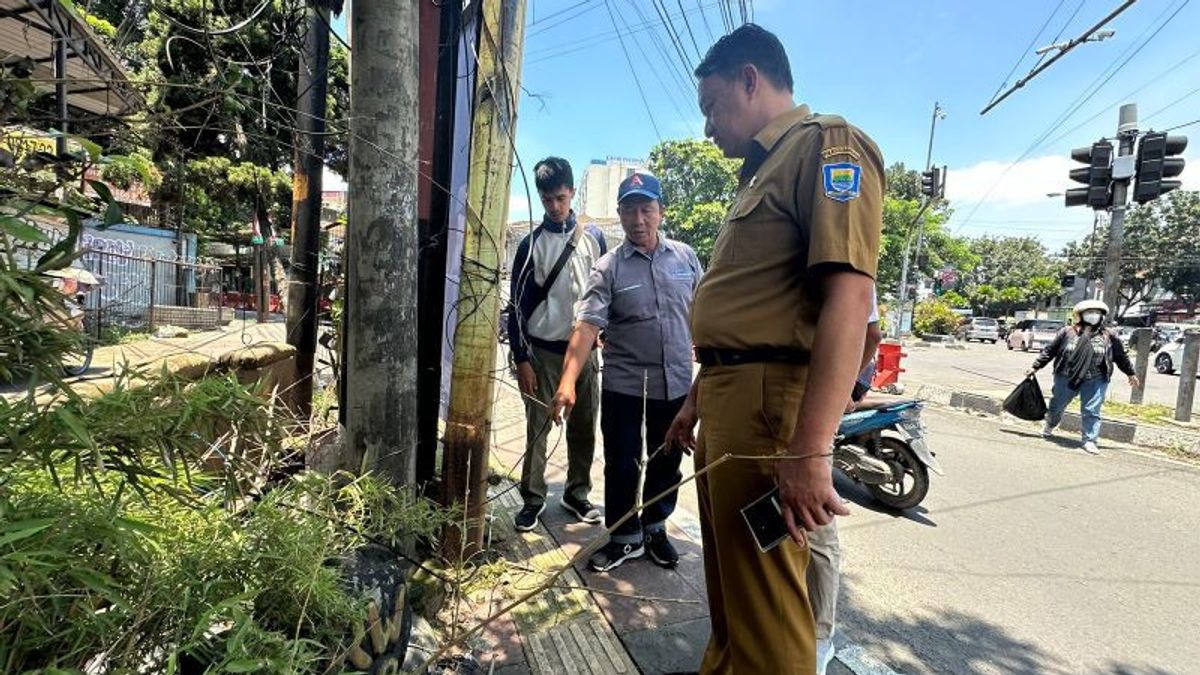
[1026,401]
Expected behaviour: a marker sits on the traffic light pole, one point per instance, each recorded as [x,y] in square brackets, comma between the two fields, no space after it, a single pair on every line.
[1127,135]
[903,295]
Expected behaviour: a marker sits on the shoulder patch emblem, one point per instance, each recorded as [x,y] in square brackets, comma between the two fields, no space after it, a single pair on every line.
[842,181]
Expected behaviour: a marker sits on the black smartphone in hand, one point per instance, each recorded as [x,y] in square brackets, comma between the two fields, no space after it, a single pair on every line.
[764,517]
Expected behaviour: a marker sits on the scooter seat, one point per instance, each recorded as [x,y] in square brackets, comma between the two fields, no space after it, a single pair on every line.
[884,402]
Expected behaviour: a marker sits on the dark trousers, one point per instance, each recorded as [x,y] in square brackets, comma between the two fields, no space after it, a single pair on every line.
[621,418]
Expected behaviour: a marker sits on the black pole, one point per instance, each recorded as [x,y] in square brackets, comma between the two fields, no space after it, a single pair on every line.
[302,290]
[60,93]
[432,273]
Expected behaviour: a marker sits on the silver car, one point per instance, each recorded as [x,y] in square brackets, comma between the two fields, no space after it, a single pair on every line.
[1033,333]
[980,328]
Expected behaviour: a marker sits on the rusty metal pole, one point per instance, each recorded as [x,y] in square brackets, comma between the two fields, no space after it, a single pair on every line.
[468,427]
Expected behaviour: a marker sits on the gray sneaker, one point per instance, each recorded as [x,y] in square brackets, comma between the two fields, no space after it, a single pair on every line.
[613,554]
[581,509]
[1091,448]
[527,517]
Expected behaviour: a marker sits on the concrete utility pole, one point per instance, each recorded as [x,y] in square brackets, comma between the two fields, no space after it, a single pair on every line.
[1141,338]
[465,462]
[381,284]
[1123,169]
[1187,377]
[312,81]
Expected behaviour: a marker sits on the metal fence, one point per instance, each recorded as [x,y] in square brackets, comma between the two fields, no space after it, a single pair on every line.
[140,293]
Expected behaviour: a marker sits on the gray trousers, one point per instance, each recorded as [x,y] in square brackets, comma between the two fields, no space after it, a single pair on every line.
[823,576]
[581,427]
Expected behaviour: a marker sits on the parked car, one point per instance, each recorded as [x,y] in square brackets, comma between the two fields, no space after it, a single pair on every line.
[979,328]
[1033,333]
[1170,358]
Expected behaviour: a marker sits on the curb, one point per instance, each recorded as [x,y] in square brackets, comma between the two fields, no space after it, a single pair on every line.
[1113,430]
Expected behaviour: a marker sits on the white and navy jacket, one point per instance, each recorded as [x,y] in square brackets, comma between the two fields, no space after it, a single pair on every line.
[550,323]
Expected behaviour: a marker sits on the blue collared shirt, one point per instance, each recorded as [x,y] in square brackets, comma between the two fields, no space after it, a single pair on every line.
[643,302]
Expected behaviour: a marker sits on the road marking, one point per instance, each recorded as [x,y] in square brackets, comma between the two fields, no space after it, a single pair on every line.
[860,662]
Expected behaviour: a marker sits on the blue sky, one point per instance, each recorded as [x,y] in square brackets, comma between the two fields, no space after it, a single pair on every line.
[882,65]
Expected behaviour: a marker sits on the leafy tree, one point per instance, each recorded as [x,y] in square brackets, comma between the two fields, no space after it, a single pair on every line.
[699,184]
[902,182]
[955,300]
[982,297]
[1010,262]
[1161,251]
[221,82]
[941,249]
[1043,289]
[1010,298]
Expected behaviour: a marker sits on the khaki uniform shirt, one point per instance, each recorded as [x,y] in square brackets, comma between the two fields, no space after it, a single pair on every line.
[810,195]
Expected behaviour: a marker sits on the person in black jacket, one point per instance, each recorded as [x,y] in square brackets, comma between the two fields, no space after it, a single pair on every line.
[1083,355]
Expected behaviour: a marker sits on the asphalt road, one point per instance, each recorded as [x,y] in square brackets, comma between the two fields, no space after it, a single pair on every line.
[1028,556]
[993,370]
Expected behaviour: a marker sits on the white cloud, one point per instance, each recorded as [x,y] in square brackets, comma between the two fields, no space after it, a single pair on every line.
[998,183]
[332,182]
[1191,172]
[518,207]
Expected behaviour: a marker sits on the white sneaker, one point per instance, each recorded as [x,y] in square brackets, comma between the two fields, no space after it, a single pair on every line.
[1091,448]
[825,654]
[1047,430]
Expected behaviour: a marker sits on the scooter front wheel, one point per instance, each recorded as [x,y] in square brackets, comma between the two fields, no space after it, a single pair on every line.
[913,485]
[78,361]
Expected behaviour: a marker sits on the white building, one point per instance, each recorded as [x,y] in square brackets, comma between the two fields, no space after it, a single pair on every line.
[598,187]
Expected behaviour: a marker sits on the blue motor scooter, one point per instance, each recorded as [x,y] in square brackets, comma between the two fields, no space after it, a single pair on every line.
[882,445]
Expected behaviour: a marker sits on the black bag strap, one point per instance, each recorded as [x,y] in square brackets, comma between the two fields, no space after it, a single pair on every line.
[552,276]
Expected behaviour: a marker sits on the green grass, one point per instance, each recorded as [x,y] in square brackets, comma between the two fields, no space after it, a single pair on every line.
[1147,412]
[114,335]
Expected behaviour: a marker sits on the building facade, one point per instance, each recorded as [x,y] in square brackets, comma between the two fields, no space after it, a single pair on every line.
[598,187]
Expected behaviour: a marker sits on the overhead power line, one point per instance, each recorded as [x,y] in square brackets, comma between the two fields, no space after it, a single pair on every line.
[707,27]
[1062,52]
[1028,48]
[1108,107]
[1084,96]
[632,71]
[555,51]
[688,25]
[562,11]
[1180,126]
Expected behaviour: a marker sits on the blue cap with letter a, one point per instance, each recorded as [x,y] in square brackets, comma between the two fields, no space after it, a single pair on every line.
[640,183]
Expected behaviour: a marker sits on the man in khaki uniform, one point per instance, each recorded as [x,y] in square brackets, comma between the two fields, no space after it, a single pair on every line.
[779,322]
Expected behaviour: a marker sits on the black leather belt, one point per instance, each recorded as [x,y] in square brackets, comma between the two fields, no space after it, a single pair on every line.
[708,356]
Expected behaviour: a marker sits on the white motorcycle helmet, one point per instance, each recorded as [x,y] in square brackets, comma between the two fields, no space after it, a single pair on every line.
[1090,306]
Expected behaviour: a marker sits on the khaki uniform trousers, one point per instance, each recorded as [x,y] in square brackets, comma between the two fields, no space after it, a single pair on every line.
[824,577]
[761,618]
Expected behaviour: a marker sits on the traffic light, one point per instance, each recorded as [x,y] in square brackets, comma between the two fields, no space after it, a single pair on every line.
[1156,160]
[932,182]
[1097,175]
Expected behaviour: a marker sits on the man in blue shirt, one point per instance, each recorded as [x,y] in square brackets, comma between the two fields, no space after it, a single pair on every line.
[640,295]
[549,275]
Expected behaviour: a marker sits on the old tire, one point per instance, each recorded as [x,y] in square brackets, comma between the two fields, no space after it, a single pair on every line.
[376,573]
[912,488]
